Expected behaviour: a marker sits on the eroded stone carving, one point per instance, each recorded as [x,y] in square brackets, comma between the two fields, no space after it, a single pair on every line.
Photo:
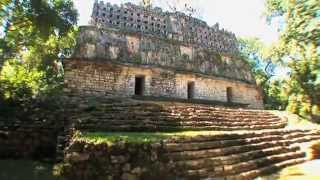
[176,26]
[178,57]
[111,45]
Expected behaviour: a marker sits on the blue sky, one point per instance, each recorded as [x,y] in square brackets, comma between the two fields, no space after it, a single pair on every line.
[243,17]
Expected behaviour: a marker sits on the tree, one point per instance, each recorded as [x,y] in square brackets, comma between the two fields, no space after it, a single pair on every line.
[253,51]
[36,33]
[32,22]
[298,48]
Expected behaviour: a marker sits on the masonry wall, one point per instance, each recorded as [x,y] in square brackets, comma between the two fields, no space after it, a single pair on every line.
[175,26]
[31,131]
[96,44]
[105,78]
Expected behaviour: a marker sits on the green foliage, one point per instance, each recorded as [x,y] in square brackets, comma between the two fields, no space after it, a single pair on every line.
[298,49]
[276,95]
[19,82]
[253,51]
[36,35]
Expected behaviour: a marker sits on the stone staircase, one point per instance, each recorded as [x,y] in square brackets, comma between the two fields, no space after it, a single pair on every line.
[237,155]
[133,115]
[245,143]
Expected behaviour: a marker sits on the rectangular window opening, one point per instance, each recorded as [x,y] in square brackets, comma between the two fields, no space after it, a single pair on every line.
[190,90]
[139,85]
[229,94]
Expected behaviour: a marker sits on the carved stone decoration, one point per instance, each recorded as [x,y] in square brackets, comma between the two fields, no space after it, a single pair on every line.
[176,26]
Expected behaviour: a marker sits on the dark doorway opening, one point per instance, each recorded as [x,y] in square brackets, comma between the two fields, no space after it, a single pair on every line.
[139,85]
[229,94]
[190,90]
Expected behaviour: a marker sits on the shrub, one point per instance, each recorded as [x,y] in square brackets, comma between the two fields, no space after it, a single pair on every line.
[21,82]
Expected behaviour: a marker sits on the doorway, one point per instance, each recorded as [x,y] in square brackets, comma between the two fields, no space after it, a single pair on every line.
[229,94]
[190,90]
[139,85]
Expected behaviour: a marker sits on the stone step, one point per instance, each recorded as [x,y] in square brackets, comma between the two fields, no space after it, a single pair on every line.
[234,158]
[154,119]
[220,115]
[217,113]
[227,118]
[305,139]
[181,109]
[177,147]
[238,168]
[226,141]
[237,135]
[263,170]
[157,122]
[173,119]
[150,127]
[223,151]
[261,161]
[124,115]
[190,107]
[235,112]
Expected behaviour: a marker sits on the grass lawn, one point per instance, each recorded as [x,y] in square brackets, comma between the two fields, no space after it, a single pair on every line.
[137,137]
[26,170]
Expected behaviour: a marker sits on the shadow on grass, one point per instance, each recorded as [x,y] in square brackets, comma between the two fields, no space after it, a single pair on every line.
[26,170]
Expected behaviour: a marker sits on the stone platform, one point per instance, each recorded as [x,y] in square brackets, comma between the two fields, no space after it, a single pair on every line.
[233,155]
[123,114]
[230,143]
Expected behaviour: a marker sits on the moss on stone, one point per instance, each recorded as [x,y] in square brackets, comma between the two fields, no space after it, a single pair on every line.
[136,58]
[185,57]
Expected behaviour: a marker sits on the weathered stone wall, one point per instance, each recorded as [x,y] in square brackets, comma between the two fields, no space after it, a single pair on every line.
[117,46]
[175,26]
[121,161]
[245,155]
[31,131]
[28,142]
[117,79]
[105,114]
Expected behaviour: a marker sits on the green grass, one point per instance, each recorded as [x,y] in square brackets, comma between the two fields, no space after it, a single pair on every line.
[135,137]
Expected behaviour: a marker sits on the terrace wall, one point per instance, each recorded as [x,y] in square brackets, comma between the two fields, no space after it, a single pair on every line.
[105,78]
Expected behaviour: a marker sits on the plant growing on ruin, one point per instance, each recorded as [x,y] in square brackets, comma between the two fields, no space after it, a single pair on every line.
[136,58]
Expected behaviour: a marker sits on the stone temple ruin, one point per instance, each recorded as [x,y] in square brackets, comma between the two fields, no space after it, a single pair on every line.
[130,50]
[177,26]
[143,74]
